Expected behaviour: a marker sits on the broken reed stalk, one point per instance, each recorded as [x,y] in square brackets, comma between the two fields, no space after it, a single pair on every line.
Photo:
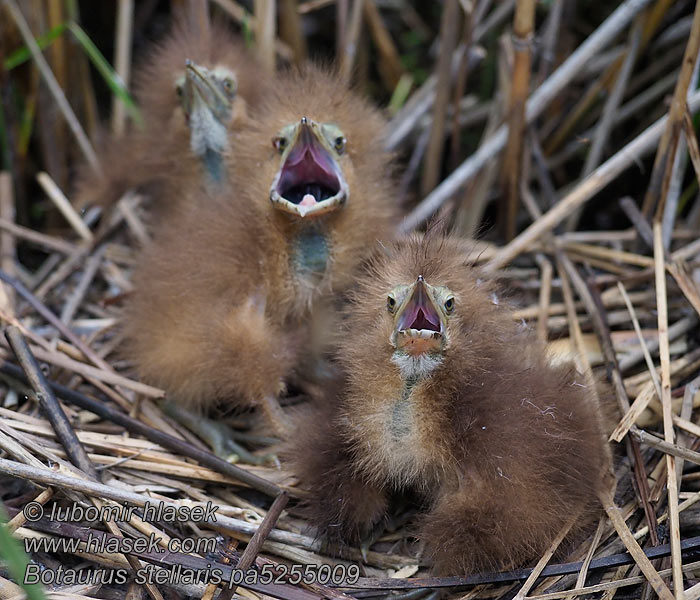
[536,105]
[523,34]
[664,356]
[49,404]
[655,197]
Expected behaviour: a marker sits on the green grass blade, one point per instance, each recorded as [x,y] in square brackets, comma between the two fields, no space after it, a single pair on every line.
[110,76]
[22,55]
[13,555]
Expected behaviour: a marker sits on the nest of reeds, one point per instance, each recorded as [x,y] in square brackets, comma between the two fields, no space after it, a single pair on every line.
[562,136]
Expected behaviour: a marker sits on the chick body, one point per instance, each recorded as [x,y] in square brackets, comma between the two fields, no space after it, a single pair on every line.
[226,293]
[500,448]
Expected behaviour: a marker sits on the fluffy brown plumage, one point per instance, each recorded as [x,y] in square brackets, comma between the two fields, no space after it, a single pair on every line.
[226,293]
[449,402]
[158,159]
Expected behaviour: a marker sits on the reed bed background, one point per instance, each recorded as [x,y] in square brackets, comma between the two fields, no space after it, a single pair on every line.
[559,134]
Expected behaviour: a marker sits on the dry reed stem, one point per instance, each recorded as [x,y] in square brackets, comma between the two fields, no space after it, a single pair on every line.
[291,29]
[8,254]
[642,341]
[542,562]
[581,578]
[64,206]
[655,197]
[544,307]
[49,404]
[122,61]
[652,576]
[449,27]
[350,40]
[265,24]
[523,34]
[389,65]
[669,434]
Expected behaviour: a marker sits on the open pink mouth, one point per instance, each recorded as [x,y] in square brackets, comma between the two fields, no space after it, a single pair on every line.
[419,313]
[309,174]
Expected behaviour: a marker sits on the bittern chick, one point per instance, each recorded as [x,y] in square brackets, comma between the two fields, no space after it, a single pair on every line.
[451,403]
[226,295]
[192,92]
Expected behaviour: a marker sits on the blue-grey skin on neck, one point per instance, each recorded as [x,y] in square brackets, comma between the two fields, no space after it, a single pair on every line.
[310,252]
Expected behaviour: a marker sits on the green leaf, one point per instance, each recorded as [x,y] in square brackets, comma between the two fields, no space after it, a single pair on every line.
[401,93]
[248,36]
[23,54]
[17,561]
[110,76]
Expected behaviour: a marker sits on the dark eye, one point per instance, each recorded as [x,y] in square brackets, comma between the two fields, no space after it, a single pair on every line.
[179,91]
[229,85]
[391,304]
[449,305]
[339,144]
[280,144]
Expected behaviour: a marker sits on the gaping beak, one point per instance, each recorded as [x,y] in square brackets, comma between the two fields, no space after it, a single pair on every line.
[201,93]
[310,181]
[419,322]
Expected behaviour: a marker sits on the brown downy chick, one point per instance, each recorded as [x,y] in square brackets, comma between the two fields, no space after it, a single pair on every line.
[323,184]
[450,402]
[225,295]
[192,92]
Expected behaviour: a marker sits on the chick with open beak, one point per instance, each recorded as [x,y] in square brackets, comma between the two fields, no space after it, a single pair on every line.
[310,181]
[451,406]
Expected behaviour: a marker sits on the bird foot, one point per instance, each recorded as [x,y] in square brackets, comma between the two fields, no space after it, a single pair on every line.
[371,538]
[389,524]
[218,436]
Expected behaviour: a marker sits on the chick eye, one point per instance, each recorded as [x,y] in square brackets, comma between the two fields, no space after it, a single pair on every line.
[179,91]
[391,304]
[339,144]
[280,144]
[449,305]
[229,85]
